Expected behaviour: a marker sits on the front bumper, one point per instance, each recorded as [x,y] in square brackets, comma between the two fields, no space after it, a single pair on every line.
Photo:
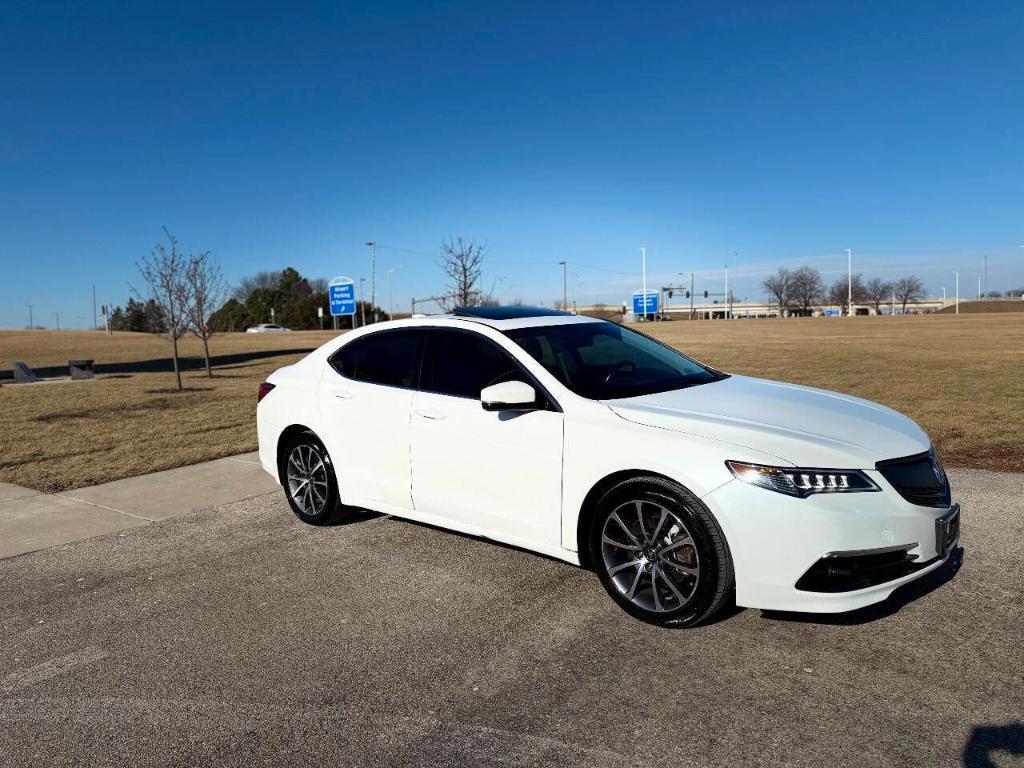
[776,540]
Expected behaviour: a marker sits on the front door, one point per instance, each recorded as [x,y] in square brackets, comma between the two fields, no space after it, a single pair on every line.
[496,473]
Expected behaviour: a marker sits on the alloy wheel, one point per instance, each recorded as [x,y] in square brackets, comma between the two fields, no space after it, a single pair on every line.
[307,479]
[650,556]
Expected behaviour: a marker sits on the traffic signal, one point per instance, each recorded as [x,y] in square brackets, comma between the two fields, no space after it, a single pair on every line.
[705,294]
[670,293]
[687,294]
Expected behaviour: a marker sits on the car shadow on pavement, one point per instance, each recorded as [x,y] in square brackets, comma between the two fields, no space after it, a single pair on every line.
[352,516]
[908,593]
[988,739]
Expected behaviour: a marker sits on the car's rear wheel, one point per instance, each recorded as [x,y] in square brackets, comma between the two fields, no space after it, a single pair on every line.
[310,485]
[660,554]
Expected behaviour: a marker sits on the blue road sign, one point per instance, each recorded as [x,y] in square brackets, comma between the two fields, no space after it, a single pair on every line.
[833,313]
[642,307]
[342,293]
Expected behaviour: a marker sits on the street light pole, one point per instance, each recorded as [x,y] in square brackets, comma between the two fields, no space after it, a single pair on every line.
[957,292]
[565,286]
[373,277]
[643,257]
[726,291]
[1022,292]
[391,301]
[31,324]
[849,282]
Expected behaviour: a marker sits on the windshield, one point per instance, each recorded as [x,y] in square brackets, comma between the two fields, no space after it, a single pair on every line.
[603,361]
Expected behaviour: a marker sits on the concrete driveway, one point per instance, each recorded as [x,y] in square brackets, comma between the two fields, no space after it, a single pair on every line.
[239,636]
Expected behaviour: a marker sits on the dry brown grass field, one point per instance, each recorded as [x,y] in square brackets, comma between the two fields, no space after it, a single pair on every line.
[959,377]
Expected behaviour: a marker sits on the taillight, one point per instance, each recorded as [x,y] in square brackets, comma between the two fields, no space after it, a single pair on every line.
[265,388]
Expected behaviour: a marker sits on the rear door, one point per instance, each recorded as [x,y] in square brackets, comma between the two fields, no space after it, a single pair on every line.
[365,398]
[492,472]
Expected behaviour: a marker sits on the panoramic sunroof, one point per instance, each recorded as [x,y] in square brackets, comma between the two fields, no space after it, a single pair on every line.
[507,313]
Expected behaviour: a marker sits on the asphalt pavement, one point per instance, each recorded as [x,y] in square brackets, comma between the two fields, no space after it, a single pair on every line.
[240,636]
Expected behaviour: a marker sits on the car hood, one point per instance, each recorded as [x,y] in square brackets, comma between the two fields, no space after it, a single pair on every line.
[805,426]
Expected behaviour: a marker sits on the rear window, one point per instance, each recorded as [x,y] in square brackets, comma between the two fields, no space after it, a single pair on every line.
[386,357]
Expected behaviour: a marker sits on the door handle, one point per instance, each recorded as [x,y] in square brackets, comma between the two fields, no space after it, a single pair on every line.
[429,413]
[342,394]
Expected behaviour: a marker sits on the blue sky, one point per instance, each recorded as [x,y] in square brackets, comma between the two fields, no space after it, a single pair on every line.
[756,134]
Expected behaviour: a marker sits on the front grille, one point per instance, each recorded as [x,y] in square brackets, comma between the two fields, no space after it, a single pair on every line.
[846,572]
[918,479]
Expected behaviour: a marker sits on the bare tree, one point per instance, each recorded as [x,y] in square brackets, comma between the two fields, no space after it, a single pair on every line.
[265,280]
[462,261]
[908,289]
[876,292]
[164,272]
[806,289]
[206,290]
[778,287]
[840,291]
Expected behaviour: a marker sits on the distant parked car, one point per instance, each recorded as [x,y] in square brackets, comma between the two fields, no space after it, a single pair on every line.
[267,328]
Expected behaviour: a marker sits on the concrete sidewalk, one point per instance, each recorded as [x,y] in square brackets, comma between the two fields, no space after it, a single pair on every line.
[30,520]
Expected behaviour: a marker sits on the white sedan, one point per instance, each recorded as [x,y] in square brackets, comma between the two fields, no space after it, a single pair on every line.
[684,488]
[267,328]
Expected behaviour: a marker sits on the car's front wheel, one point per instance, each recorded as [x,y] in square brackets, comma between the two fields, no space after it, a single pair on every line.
[309,482]
[660,554]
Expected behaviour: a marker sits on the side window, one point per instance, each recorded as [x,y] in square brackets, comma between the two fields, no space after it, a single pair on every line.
[385,357]
[461,363]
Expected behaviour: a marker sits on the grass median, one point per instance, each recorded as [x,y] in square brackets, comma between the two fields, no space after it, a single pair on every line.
[958,377]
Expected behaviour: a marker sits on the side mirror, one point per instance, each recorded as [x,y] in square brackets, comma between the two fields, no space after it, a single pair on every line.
[509,396]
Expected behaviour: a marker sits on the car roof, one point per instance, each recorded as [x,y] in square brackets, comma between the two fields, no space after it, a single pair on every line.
[505,324]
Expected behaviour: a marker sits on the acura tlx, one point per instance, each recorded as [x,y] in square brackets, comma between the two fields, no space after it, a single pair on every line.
[684,488]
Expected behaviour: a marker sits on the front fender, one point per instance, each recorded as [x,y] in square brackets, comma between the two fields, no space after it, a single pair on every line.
[599,445]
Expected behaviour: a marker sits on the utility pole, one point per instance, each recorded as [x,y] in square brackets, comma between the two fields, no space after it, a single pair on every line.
[727,292]
[565,286]
[31,325]
[892,307]
[643,256]
[957,292]
[849,282]
[979,285]
[986,274]
[691,295]
[94,306]
[362,304]
[58,321]
[373,277]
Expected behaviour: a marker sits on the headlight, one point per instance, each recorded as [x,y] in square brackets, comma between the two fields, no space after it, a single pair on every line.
[802,482]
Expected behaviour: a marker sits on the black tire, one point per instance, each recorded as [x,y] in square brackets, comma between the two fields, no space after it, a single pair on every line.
[684,572]
[315,501]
